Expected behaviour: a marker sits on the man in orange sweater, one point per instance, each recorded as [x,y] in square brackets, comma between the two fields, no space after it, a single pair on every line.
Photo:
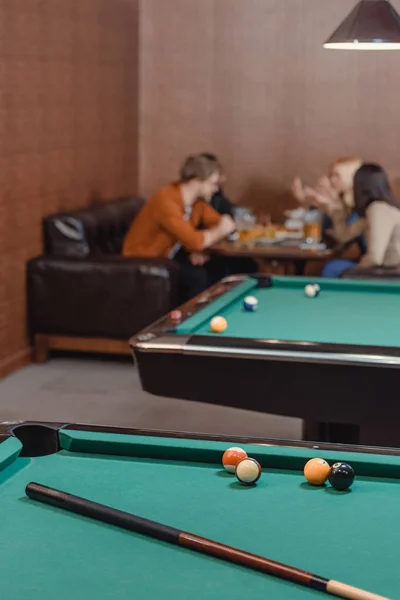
[169,225]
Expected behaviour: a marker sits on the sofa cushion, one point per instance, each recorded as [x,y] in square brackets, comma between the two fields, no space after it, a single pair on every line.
[99,296]
[99,229]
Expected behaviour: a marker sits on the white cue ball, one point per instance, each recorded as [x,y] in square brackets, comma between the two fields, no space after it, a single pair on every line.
[310,291]
[248,471]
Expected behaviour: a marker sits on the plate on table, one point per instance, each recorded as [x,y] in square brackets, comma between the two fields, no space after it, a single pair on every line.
[295,224]
[296,213]
[289,235]
[262,241]
[311,246]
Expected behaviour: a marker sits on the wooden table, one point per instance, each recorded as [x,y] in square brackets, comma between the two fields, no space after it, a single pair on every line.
[287,258]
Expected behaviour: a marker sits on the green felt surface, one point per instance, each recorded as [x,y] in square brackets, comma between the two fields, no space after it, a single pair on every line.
[48,553]
[345,312]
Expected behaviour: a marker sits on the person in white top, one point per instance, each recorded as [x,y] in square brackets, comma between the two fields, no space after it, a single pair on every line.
[375,202]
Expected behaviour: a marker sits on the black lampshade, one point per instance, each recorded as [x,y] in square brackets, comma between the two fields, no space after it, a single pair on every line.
[371,25]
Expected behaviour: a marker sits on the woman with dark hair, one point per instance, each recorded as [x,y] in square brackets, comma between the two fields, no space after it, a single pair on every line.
[333,197]
[375,202]
[378,218]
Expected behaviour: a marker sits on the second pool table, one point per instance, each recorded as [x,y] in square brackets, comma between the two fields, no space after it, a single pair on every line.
[178,480]
[333,360]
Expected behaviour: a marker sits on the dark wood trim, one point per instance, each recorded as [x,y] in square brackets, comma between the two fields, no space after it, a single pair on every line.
[275,252]
[10,429]
[45,343]
[15,362]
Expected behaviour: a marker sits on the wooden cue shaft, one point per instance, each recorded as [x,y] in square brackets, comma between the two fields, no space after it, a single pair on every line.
[107,514]
[271,567]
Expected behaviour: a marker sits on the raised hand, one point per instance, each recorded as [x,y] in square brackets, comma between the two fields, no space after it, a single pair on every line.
[325,188]
[298,190]
[320,198]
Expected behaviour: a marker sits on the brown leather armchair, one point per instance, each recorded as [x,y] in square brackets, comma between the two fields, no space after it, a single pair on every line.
[83,294]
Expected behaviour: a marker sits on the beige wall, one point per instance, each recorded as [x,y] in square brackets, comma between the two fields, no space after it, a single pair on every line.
[247,79]
[250,80]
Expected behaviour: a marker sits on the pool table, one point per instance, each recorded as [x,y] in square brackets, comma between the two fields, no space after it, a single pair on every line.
[178,480]
[333,360]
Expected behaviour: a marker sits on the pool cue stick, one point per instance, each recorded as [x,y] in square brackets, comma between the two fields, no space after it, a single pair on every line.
[165,533]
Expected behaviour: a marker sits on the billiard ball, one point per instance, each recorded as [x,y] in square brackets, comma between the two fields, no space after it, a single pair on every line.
[250,303]
[175,315]
[232,457]
[316,471]
[218,324]
[248,471]
[341,476]
[317,287]
[311,290]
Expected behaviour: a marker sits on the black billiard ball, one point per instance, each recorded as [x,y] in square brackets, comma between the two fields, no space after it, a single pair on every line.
[341,476]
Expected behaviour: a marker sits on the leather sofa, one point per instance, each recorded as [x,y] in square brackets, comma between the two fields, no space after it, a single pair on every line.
[83,295]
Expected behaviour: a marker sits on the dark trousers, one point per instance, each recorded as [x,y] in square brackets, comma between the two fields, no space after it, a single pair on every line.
[194,280]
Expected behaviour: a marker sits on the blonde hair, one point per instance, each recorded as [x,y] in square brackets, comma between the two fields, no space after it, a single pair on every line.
[346,166]
[199,167]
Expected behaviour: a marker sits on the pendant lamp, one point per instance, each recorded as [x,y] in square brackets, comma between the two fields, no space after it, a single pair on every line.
[371,25]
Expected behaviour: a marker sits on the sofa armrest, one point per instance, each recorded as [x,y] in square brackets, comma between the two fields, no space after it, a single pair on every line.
[108,296]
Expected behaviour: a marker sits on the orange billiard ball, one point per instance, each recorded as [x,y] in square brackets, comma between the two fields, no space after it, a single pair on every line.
[218,324]
[232,457]
[316,471]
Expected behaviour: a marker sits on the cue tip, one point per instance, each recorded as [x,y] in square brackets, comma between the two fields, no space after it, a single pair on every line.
[351,593]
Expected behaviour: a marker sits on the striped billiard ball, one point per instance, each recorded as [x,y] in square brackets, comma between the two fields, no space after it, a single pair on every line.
[250,303]
[232,457]
[311,290]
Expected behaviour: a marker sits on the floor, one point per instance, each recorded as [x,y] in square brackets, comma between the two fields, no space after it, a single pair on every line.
[107,391]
